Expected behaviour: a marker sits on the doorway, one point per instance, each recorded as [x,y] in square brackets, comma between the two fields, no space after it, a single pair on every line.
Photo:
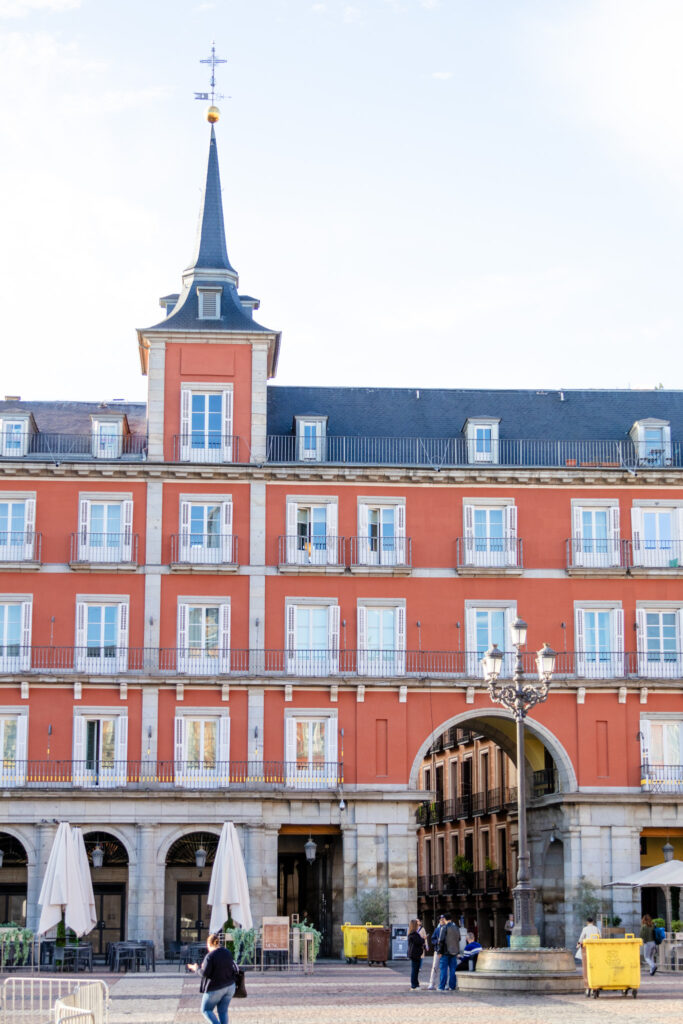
[308,889]
[110,909]
[192,912]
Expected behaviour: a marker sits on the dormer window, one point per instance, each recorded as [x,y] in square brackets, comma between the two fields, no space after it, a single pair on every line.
[209,303]
[107,437]
[311,432]
[481,435]
[652,441]
[14,437]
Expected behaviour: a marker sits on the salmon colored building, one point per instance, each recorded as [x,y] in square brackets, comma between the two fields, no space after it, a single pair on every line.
[264,604]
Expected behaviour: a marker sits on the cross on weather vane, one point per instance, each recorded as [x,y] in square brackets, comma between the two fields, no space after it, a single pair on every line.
[213,60]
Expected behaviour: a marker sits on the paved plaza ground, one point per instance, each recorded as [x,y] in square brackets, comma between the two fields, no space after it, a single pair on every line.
[357,994]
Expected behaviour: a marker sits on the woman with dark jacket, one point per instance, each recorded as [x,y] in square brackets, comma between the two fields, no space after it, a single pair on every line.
[219,974]
[416,945]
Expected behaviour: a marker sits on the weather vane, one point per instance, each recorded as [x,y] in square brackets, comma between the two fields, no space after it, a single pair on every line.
[213,112]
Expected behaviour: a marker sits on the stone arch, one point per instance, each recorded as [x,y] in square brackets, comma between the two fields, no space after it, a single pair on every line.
[171,837]
[121,835]
[502,736]
[21,837]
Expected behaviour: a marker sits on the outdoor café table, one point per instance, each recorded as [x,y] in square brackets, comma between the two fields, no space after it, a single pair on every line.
[131,955]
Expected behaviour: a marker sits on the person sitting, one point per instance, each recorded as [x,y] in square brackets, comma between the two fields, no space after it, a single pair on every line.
[468,957]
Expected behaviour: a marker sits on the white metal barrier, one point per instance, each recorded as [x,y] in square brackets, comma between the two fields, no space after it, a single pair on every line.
[87,1004]
[33,1000]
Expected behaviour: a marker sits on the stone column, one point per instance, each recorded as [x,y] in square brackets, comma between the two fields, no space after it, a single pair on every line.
[155,403]
[402,872]
[43,838]
[260,856]
[350,870]
[259,383]
[146,891]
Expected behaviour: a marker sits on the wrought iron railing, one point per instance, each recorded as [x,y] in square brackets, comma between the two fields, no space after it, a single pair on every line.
[489,553]
[655,554]
[65,447]
[381,551]
[600,553]
[544,782]
[204,549]
[661,778]
[20,546]
[206,446]
[311,551]
[89,546]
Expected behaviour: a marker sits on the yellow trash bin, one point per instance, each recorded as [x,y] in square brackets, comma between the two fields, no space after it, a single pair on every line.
[355,941]
[612,964]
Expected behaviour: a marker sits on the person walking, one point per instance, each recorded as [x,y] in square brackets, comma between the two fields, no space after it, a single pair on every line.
[647,934]
[416,945]
[449,947]
[589,931]
[218,972]
[436,935]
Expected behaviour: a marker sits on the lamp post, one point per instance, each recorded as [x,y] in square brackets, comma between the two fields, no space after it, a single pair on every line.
[519,696]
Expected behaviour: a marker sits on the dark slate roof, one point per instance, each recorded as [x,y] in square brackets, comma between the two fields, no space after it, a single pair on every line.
[211,250]
[75,417]
[234,317]
[438,412]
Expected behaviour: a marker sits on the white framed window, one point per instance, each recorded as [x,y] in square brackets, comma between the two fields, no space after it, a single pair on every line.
[101,636]
[105,532]
[657,532]
[202,748]
[381,533]
[599,631]
[662,752]
[481,436]
[311,432]
[312,644]
[490,535]
[17,529]
[209,302]
[100,748]
[204,636]
[206,424]
[381,638]
[311,750]
[206,532]
[14,437]
[107,437]
[488,623]
[312,533]
[652,441]
[596,536]
[15,634]
[659,632]
[13,747]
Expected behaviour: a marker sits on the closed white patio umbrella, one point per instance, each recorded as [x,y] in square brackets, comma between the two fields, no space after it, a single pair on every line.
[228,890]
[67,888]
[659,876]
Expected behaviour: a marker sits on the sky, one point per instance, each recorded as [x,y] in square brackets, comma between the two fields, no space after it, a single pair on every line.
[422,193]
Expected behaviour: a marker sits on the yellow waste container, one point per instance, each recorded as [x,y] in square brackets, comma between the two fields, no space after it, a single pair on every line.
[612,964]
[355,941]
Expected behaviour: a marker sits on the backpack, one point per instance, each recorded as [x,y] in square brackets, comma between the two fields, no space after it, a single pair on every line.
[449,941]
[660,934]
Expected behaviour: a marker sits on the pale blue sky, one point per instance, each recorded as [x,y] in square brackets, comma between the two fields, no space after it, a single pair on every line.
[421,192]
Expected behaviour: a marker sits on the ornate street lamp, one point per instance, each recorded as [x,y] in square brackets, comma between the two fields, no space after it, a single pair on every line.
[97,856]
[200,859]
[310,849]
[520,695]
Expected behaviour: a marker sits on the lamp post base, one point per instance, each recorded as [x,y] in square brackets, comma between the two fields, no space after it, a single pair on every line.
[525,941]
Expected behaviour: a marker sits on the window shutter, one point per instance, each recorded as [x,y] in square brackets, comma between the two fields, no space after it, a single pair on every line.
[468,532]
[223,757]
[122,648]
[80,635]
[121,755]
[19,773]
[511,534]
[400,619]
[470,641]
[579,642]
[636,528]
[185,397]
[290,641]
[185,550]
[618,666]
[229,554]
[25,656]
[224,626]
[679,640]
[78,751]
[331,530]
[290,739]
[577,535]
[362,640]
[645,741]
[179,750]
[84,530]
[182,637]
[401,554]
[227,426]
[641,640]
[331,751]
[666,439]
[333,642]
[127,539]
[678,548]
[291,532]
[363,556]
[30,551]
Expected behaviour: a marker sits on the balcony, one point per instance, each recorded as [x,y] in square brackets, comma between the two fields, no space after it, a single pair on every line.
[429,813]
[489,556]
[463,806]
[543,783]
[661,778]
[112,552]
[172,775]
[465,883]
[422,885]
[40,447]
[449,810]
[450,738]
[20,550]
[320,554]
[204,552]
[206,447]
[655,557]
[383,555]
[599,557]
[494,800]
[478,804]
[454,452]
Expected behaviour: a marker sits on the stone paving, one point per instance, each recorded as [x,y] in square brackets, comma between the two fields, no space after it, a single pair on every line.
[358,994]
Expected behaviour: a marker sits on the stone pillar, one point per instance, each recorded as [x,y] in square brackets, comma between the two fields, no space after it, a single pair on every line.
[155,402]
[257,579]
[350,867]
[150,723]
[256,702]
[402,872]
[259,843]
[43,838]
[146,891]
[366,857]
[259,384]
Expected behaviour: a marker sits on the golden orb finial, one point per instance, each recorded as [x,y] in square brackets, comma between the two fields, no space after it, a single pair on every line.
[213,114]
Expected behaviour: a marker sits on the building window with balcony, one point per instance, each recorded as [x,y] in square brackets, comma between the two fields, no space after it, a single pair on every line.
[381,638]
[596,539]
[311,435]
[101,635]
[487,624]
[490,539]
[381,537]
[204,636]
[599,631]
[202,748]
[100,747]
[312,647]
[206,532]
[206,424]
[13,739]
[662,753]
[311,750]
[17,529]
[311,533]
[652,441]
[15,633]
[105,531]
[481,438]
[14,436]
[107,437]
[657,531]
[659,641]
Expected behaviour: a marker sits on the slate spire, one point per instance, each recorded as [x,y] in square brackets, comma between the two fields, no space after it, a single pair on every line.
[211,251]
